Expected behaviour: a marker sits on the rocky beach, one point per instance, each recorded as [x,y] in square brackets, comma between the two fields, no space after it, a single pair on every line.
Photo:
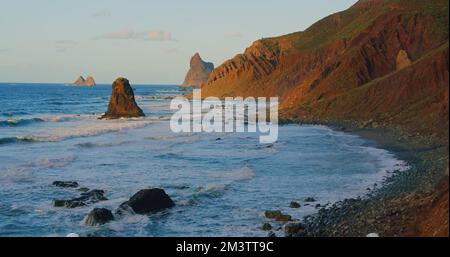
[412,202]
[360,119]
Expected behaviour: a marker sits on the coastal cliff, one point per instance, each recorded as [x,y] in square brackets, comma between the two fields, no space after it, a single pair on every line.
[379,62]
[380,65]
[198,72]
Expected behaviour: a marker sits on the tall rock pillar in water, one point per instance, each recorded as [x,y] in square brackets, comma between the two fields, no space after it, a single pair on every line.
[122,103]
[198,73]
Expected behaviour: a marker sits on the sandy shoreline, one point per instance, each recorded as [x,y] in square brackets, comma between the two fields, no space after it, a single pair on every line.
[403,201]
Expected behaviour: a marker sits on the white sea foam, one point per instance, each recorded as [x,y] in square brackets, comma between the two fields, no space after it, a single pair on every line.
[387,160]
[14,174]
[155,97]
[241,174]
[53,163]
[90,129]
[25,171]
[212,190]
[68,117]
[171,136]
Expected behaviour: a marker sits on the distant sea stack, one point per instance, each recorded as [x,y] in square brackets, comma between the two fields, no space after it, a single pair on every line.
[198,73]
[122,103]
[89,81]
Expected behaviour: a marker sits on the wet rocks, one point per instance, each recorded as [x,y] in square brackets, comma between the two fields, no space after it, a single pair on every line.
[83,189]
[98,216]
[122,103]
[271,234]
[293,229]
[92,196]
[283,218]
[272,214]
[277,216]
[309,200]
[294,205]
[66,184]
[266,227]
[147,201]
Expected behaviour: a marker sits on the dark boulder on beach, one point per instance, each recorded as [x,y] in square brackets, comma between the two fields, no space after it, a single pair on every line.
[271,234]
[277,215]
[122,103]
[266,227]
[283,218]
[83,189]
[99,216]
[92,196]
[293,229]
[309,199]
[294,205]
[147,201]
[72,184]
[272,214]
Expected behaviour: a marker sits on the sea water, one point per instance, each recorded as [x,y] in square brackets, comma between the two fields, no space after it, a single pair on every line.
[221,183]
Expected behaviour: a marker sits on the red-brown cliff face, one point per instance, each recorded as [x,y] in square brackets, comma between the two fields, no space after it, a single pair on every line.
[382,63]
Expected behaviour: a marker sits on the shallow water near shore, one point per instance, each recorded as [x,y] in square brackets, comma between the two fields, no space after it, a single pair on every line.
[220,187]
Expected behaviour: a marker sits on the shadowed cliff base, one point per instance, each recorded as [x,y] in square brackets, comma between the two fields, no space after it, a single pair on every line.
[380,66]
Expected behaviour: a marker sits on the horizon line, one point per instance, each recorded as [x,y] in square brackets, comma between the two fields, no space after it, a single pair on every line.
[66,83]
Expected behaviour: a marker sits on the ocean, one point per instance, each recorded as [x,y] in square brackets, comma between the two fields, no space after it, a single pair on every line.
[50,132]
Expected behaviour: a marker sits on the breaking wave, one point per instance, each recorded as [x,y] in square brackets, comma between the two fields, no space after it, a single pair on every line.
[11,114]
[68,117]
[25,171]
[10,140]
[18,122]
[242,174]
[83,130]
[94,145]
[12,122]
[211,191]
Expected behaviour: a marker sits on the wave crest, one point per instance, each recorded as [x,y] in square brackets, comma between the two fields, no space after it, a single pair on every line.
[19,139]
[242,174]
[18,122]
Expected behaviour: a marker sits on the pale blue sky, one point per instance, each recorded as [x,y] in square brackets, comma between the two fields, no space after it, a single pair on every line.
[147,41]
